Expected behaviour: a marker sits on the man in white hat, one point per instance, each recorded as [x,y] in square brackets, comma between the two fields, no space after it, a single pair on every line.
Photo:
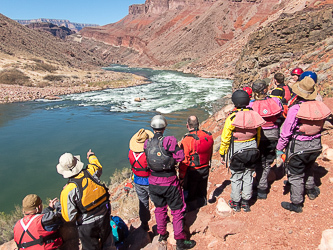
[85,200]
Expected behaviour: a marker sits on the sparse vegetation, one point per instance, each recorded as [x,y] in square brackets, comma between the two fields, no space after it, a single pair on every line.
[14,76]
[7,222]
[41,66]
[54,78]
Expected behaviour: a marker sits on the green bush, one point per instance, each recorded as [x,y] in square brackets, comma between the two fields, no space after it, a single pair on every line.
[14,76]
[7,223]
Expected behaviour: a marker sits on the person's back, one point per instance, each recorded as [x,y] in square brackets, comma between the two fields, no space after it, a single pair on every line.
[38,230]
[164,187]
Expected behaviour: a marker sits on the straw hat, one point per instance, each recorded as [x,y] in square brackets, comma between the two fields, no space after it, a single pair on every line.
[69,165]
[137,141]
[306,89]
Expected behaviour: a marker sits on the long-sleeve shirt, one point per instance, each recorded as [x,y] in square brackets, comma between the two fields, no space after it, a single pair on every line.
[70,197]
[290,126]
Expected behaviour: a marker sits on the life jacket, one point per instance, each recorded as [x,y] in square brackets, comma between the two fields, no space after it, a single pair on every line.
[92,193]
[202,144]
[268,109]
[139,164]
[287,93]
[246,124]
[312,115]
[158,158]
[30,234]
[119,230]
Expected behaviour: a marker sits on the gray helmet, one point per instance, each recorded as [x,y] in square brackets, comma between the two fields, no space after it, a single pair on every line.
[158,122]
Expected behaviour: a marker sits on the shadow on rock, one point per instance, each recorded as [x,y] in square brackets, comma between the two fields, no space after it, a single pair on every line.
[218,191]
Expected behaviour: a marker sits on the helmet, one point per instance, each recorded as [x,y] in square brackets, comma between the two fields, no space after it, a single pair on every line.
[296,71]
[240,98]
[158,122]
[310,74]
[248,90]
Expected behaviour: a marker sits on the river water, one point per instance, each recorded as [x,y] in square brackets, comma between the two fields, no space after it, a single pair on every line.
[34,134]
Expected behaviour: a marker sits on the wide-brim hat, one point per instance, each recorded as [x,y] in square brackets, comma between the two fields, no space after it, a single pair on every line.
[138,139]
[306,88]
[69,165]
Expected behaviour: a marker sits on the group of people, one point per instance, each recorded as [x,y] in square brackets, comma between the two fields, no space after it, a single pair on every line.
[283,123]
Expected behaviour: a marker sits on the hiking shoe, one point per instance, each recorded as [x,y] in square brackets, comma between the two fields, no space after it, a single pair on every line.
[292,207]
[234,205]
[163,237]
[245,205]
[313,193]
[185,244]
[261,195]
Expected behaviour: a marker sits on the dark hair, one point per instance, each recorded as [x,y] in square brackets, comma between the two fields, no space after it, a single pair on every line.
[193,121]
[279,77]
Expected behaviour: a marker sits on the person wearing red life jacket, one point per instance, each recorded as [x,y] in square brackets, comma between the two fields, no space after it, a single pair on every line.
[198,149]
[239,138]
[38,229]
[141,173]
[285,89]
[300,137]
[270,109]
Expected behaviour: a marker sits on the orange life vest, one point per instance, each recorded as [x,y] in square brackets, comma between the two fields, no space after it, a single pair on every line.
[30,234]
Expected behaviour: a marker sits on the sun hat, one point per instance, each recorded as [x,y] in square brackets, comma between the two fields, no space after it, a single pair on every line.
[138,139]
[69,165]
[31,202]
[306,88]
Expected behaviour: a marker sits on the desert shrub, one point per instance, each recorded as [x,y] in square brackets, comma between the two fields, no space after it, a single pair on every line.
[54,78]
[7,222]
[41,66]
[120,175]
[13,76]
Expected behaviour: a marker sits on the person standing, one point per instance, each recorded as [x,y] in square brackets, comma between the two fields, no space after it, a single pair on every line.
[38,228]
[300,137]
[85,200]
[270,109]
[162,154]
[198,149]
[138,161]
[239,139]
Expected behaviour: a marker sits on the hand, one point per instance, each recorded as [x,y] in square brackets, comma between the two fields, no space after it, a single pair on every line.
[278,153]
[53,202]
[89,153]
[223,159]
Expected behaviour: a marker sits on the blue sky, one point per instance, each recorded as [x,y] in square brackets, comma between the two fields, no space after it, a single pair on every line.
[85,11]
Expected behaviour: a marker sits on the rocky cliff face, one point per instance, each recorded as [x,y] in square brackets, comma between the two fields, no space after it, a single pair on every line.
[61,32]
[73,26]
[303,39]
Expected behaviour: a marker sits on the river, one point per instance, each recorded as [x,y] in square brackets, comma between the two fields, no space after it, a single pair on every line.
[34,134]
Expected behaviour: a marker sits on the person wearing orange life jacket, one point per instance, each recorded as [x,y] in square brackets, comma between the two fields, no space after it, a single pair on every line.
[198,149]
[85,200]
[270,109]
[138,161]
[239,138]
[301,138]
[38,229]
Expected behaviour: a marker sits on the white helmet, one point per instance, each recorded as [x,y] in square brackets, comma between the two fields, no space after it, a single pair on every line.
[158,122]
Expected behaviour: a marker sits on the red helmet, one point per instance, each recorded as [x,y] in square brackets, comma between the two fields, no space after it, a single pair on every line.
[248,90]
[296,71]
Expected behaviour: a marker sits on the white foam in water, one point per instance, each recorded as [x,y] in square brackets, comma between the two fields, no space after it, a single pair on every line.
[168,92]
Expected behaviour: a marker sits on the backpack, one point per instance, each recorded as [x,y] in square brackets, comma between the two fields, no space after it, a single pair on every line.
[119,230]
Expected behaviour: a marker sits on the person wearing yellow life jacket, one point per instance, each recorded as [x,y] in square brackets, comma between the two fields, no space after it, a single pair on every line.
[141,173]
[270,109]
[198,149]
[39,228]
[239,138]
[86,200]
[300,137]
[286,92]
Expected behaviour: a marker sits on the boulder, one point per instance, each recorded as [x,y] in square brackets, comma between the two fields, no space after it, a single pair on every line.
[223,113]
[328,154]
[326,242]
[8,245]
[223,208]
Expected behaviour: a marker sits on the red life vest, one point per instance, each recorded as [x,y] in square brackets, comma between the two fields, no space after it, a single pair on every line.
[202,144]
[311,117]
[267,109]
[139,164]
[287,93]
[30,234]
